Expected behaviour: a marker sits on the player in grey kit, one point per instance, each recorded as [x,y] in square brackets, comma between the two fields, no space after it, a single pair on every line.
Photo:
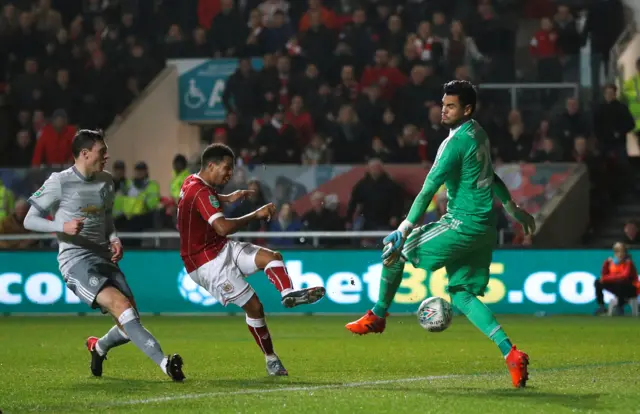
[81,198]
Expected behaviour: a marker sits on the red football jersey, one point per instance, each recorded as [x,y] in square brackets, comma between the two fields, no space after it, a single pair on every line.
[198,207]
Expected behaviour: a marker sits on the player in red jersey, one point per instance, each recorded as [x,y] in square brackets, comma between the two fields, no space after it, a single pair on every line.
[221,265]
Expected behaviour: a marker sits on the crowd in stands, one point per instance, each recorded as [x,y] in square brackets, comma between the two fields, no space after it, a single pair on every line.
[340,82]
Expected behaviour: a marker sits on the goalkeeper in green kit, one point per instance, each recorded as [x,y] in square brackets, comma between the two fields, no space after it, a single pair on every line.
[462,241]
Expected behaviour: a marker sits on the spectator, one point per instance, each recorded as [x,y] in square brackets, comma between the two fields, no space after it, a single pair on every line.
[542,132]
[54,145]
[48,20]
[306,84]
[329,19]
[631,94]
[418,95]
[631,235]
[20,153]
[227,31]
[348,89]
[370,107]
[254,45]
[395,37]
[254,201]
[27,90]
[236,132]
[141,202]
[570,124]
[434,133]
[349,136]
[300,119]
[286,221]
[387,77]
[321,218]
[611,122]
[379,151]
[568,43]
[13,224]
[358,36]
[517,146]
[619,276]
[429,47]
[548,152]
[276,85]
[239,92]
[277,34]
[199,46]
[26,42]
[544,50]
[269,10]
[378,199]
[412,147]
[318,43]
[7,201]
[180,173]
[62,95]
[460,49]
[174,44]
[317,152]
[276,142]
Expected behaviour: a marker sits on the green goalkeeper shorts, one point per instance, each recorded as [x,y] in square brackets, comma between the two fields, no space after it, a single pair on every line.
[465,257]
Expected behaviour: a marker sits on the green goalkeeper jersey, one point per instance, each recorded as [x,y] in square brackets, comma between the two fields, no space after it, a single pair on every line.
[463,164]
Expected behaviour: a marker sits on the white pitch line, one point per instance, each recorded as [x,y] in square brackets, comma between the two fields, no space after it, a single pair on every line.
[294,389]
[249,391]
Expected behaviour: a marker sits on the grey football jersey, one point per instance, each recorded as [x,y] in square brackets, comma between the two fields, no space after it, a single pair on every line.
[68,195]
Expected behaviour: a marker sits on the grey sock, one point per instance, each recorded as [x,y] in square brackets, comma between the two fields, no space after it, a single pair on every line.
[141,337]
[115,337]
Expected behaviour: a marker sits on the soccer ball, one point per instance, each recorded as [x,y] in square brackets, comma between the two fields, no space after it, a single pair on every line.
[193,292]
[434,314]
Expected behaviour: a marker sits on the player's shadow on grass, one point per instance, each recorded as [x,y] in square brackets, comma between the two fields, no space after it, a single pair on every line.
[129,386]
[582,401]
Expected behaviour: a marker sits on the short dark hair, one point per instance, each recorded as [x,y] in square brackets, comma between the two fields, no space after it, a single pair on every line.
[216,153]
[464,90]
[611,86]
[180,161]
[85,139]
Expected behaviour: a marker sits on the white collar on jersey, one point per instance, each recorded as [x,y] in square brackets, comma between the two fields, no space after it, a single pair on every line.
[456,129]
[202,179]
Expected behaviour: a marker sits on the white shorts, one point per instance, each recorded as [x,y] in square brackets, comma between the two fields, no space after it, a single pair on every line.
[224,276]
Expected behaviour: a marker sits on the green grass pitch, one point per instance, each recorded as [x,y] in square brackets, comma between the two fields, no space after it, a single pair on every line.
[578,364]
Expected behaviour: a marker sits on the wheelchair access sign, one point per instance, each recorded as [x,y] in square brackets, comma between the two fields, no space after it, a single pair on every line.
[201,84]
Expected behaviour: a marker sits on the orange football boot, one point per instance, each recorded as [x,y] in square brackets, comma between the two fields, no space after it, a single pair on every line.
[369,323]
[517,362]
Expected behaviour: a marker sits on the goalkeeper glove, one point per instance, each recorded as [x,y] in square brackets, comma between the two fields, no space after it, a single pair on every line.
[525,219]
[394,243]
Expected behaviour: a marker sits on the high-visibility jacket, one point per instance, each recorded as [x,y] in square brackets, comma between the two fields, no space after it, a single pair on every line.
[631,92]
[176,183]
[120,197]
[138,201]
[7,201]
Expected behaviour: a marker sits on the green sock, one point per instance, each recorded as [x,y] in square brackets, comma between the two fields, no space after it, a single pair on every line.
[389,284]
[482,317]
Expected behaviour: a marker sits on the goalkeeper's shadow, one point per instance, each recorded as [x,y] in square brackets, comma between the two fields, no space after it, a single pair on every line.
[581,401]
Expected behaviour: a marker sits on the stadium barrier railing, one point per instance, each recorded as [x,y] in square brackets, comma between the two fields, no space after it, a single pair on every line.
[315,236]
[515,88]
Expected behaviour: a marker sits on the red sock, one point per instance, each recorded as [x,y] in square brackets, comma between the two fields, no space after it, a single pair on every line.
[260,332]
[278,275]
